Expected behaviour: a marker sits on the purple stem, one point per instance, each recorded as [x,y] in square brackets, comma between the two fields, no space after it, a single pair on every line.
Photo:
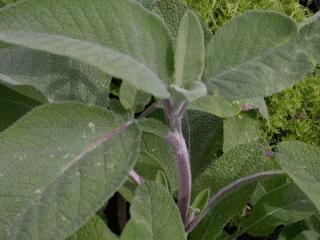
[149,110]
[136,178]
[91,147]
[180,150]
[221,194]
[178,145]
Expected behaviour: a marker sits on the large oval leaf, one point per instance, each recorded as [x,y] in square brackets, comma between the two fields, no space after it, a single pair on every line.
[310,36]
[216,106]
[242,125]
[58,165]
[204,134]
[156,155]
[95,229]
[283,205]
[302,163]
[255,55]
[242,160]
[155,215]
[119,37]
[56,77]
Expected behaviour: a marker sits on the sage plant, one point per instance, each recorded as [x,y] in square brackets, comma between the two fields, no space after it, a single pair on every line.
[174,140]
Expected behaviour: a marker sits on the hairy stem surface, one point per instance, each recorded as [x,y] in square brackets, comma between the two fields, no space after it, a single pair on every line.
[136,178]
[174,113]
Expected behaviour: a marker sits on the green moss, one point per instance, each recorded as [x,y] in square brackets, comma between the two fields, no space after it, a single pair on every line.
[295,113]
[6,2]
[217,12]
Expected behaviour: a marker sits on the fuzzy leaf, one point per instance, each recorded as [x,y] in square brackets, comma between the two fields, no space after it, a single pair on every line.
[243,160]
[189,54]
[201,200]
[58,78]
[156,155]
[240,130]
[310,36]
[154,126]
[302,163]
[172,12]
[133,99]
[95,229]
[204,135]
[212,225]
[283,205]
[154,215]
[216,106]
[110,35]
[61,162]
[255,55]
[161,178]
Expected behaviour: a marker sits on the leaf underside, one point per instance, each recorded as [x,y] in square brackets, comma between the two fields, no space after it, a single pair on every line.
[99,33]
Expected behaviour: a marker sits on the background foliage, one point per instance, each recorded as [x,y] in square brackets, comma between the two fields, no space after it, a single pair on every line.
[294,113]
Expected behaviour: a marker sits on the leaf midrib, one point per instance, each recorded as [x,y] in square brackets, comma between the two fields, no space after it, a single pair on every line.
[87,149]
[276,210]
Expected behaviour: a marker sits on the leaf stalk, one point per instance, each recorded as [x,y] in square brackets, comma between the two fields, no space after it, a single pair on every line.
[174,112]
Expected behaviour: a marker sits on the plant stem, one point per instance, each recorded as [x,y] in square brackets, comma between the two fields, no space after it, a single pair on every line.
[136,178]
[122,212]
[221,194]
[149,110]
[174,113]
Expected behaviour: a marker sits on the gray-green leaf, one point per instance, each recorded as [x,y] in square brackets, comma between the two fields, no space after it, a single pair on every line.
[155,215]
[95,229]
[284,205]
[189,52]
[204,134]
[255,55]
[133,99]
[240,130]
[58,78]
[243,160]
[302,163]
[172,12]
[310,36]
[156,155]
[216,106]
[118,37]
[58,165]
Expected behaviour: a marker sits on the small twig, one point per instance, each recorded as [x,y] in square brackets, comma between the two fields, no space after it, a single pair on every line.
[149,110]
[136,178]
[220,195]
[122,212]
